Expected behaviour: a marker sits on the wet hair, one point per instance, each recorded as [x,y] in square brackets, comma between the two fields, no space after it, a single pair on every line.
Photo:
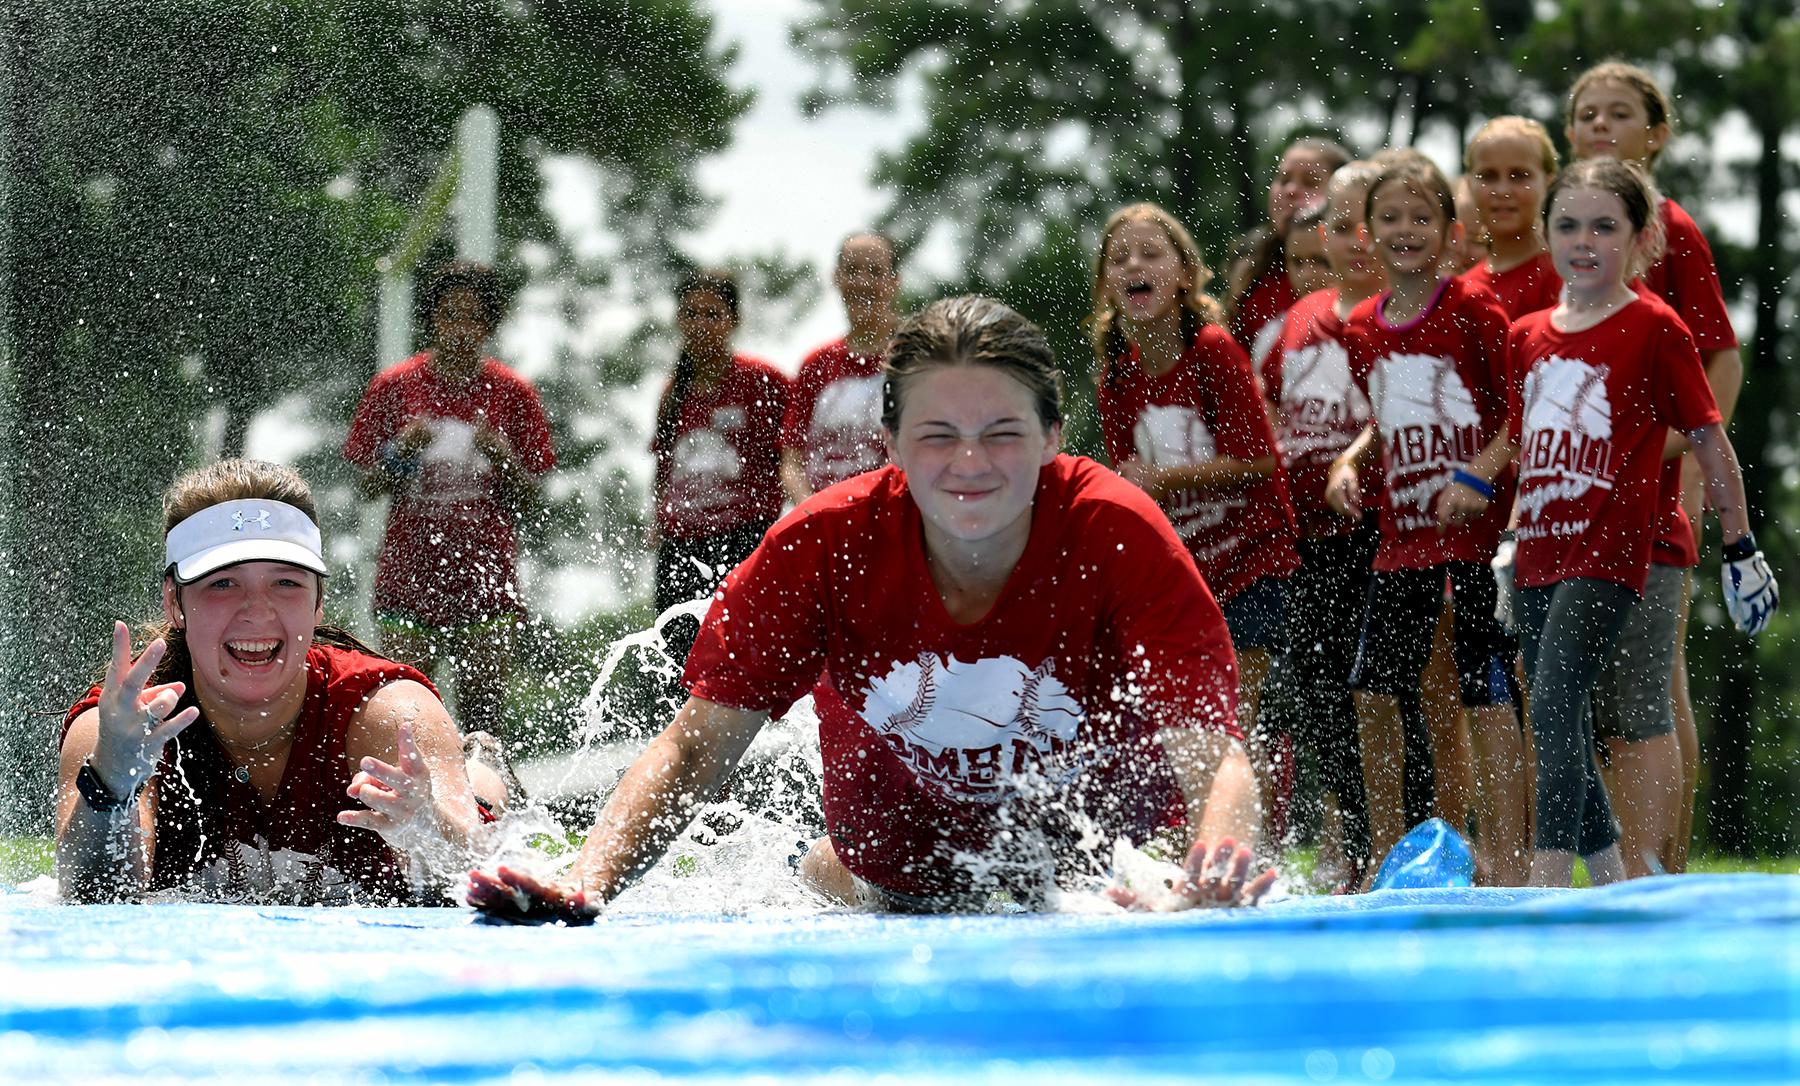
[1197,307]
[203,488]
[1657,107]
[1259,251]
[1521,127]
[482,279]
[1635,190]
[1421,175]
[971,330]
[668,413]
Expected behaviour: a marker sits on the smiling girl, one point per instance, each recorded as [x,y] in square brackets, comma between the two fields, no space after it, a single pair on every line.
[1017,655]
[1509,163]
[1605,375]
[1184,420]
[1430,353]
[218,760]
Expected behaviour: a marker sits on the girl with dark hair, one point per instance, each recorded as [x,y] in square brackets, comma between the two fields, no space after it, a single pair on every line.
[717,446]
[1019,660]
[459,442]
[218,760]
[1257,291]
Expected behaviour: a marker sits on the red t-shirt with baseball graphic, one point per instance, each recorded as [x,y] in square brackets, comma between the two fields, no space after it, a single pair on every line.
[449,555]
[1207,406]
[1258,313]
[834,415]
[1524,288]
[1593,413]
[724,469]
[1103,634]
[1320,408]
[1437,389]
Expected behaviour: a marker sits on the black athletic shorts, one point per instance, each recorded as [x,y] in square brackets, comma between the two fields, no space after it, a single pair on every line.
[1400,618]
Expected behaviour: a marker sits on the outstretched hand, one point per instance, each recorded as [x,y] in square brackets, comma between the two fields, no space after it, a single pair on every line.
[517,897]
[1212,878]
[135,718]
[398,797]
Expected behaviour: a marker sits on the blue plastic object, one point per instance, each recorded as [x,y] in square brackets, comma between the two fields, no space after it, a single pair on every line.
[1431,856]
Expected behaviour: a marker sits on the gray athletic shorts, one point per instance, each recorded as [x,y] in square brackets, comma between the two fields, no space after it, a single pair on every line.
[1631,696]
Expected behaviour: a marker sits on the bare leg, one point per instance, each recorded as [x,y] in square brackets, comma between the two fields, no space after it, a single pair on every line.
[1440,694]
[1552,867]
[1604,867]
[482,665]
[1687,735]
[825,874]
[1644,780]
[1264,749]
[1502,800]
[1383,758]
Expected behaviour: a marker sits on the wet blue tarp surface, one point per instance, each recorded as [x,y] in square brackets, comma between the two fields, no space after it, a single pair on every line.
[1688,979]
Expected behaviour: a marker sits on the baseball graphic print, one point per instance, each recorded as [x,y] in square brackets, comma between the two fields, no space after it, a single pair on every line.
[1429,423]
[1567,448]
[966,729]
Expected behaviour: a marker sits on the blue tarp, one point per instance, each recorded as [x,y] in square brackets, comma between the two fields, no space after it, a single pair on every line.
[1690,979]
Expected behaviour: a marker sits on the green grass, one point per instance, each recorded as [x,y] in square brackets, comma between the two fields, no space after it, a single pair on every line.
[25,858]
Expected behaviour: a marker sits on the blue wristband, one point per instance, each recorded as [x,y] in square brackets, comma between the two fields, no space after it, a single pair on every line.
[1473,482]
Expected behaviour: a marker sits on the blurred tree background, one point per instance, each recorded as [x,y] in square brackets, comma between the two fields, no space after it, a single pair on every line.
[194,195]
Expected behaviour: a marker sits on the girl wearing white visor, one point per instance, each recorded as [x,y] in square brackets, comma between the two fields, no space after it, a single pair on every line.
[219,761]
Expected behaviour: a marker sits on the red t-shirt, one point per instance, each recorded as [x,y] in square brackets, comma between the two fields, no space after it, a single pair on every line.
[834,415]
[724,472]
[1207,406]
[1525,288]
[1688,279]
[215,836]
[1437,387]
[449,555]
[1321,410]
[1266,300]
[1593,412]
[1103,634]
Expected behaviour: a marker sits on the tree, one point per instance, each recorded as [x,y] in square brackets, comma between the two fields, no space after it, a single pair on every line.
[195,197]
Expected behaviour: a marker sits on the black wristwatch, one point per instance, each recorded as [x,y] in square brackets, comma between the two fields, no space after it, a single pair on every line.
[98,795]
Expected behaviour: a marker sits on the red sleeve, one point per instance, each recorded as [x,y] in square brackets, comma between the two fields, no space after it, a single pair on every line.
[1689,282]
[1240,422]
[1515,384]
[762,644]
[796,419]
[1166,624]
[88,701]
[530,429]
[1684,399]
[375,422]
[1117,416]
[1490,328]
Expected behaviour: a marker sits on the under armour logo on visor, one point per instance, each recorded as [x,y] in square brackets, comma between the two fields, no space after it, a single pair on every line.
[239,522]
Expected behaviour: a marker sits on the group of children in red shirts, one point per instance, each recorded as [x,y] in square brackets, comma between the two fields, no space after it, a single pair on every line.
[1512,431]
[1395,413]
[1398,425]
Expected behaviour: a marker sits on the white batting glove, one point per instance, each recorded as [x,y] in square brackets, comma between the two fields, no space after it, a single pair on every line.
[1502,564]
[1750,593]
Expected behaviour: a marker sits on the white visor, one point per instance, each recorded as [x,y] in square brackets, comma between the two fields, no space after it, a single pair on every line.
[243,531]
